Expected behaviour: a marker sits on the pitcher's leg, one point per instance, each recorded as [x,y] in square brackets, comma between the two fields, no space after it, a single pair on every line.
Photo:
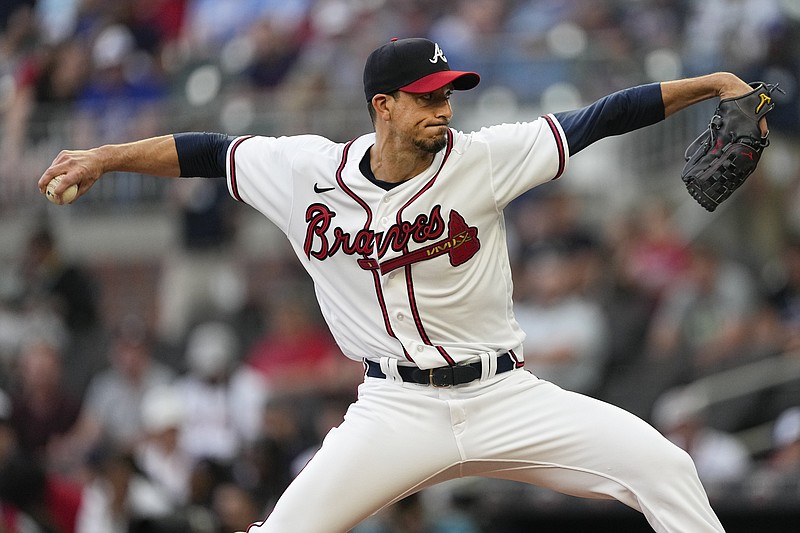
[581,446]
[391,442]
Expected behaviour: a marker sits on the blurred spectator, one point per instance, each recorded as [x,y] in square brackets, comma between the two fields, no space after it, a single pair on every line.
[646,257]
[601,32]
[9,8]
[49,283]
[566,332]
[111,413]
[703,319]
[541,43]
[326,417]
[117,496]
[201,278]
[15,492]
[43,411]
[467,31]
[268,461]
[707,46]
[48,82]
[235,508]
[654,24]
[721,459]
[206,476]
[328,70]
[155,24]
[17,27]
[628,310]
[275,51]
[159,456]
[297,352]
[57,19]
[124,95]
[32,500]
[553,220]
[215,424]
[781,65]
[211,24]
[45,274]
[649,251]
[9,514]
[777,478]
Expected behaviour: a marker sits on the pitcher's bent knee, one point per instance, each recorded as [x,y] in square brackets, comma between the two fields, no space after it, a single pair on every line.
[676,461]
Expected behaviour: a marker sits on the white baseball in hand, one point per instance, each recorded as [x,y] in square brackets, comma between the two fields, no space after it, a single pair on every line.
[66,197]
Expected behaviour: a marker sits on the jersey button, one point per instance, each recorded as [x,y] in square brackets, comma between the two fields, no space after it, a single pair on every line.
[400,316]
[420,348]
[384,221]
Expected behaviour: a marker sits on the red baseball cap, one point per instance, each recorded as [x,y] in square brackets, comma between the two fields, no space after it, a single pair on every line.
[414,65]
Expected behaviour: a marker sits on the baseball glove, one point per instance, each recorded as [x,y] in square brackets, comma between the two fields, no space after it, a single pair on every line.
[723,156]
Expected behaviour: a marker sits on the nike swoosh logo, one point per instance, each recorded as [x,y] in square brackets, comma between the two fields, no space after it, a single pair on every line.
[319,189]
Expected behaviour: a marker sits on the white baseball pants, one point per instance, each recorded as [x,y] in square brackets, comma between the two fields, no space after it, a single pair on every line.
[398,438]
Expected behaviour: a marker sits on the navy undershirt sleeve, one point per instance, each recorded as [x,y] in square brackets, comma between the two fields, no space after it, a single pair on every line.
[615,114]
[203,154]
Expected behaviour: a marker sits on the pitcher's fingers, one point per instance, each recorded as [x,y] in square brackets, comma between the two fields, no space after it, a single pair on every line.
[51,172]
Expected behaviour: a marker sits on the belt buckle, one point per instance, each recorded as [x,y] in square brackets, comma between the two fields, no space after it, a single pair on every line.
[443,383]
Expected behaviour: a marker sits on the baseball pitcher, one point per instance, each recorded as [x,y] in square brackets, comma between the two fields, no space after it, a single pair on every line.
[402,232]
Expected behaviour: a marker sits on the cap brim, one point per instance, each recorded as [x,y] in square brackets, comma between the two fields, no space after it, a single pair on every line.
[462,81]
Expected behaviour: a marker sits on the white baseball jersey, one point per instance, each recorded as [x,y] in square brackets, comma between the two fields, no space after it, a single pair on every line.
[394,269]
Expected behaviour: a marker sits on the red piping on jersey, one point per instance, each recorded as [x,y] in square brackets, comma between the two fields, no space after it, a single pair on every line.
[366,260]
[409,281]
[255,524]
[232,164]
[562,155]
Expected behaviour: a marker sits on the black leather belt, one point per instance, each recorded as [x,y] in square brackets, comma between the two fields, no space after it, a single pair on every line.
[443,376]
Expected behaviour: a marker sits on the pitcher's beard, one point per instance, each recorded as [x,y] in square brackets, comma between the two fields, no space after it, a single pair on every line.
[432,146]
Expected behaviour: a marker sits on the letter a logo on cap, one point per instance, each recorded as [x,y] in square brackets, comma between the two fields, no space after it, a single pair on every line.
[412,65]
[437,53]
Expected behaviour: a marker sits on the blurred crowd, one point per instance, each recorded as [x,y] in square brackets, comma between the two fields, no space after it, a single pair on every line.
[196,418]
